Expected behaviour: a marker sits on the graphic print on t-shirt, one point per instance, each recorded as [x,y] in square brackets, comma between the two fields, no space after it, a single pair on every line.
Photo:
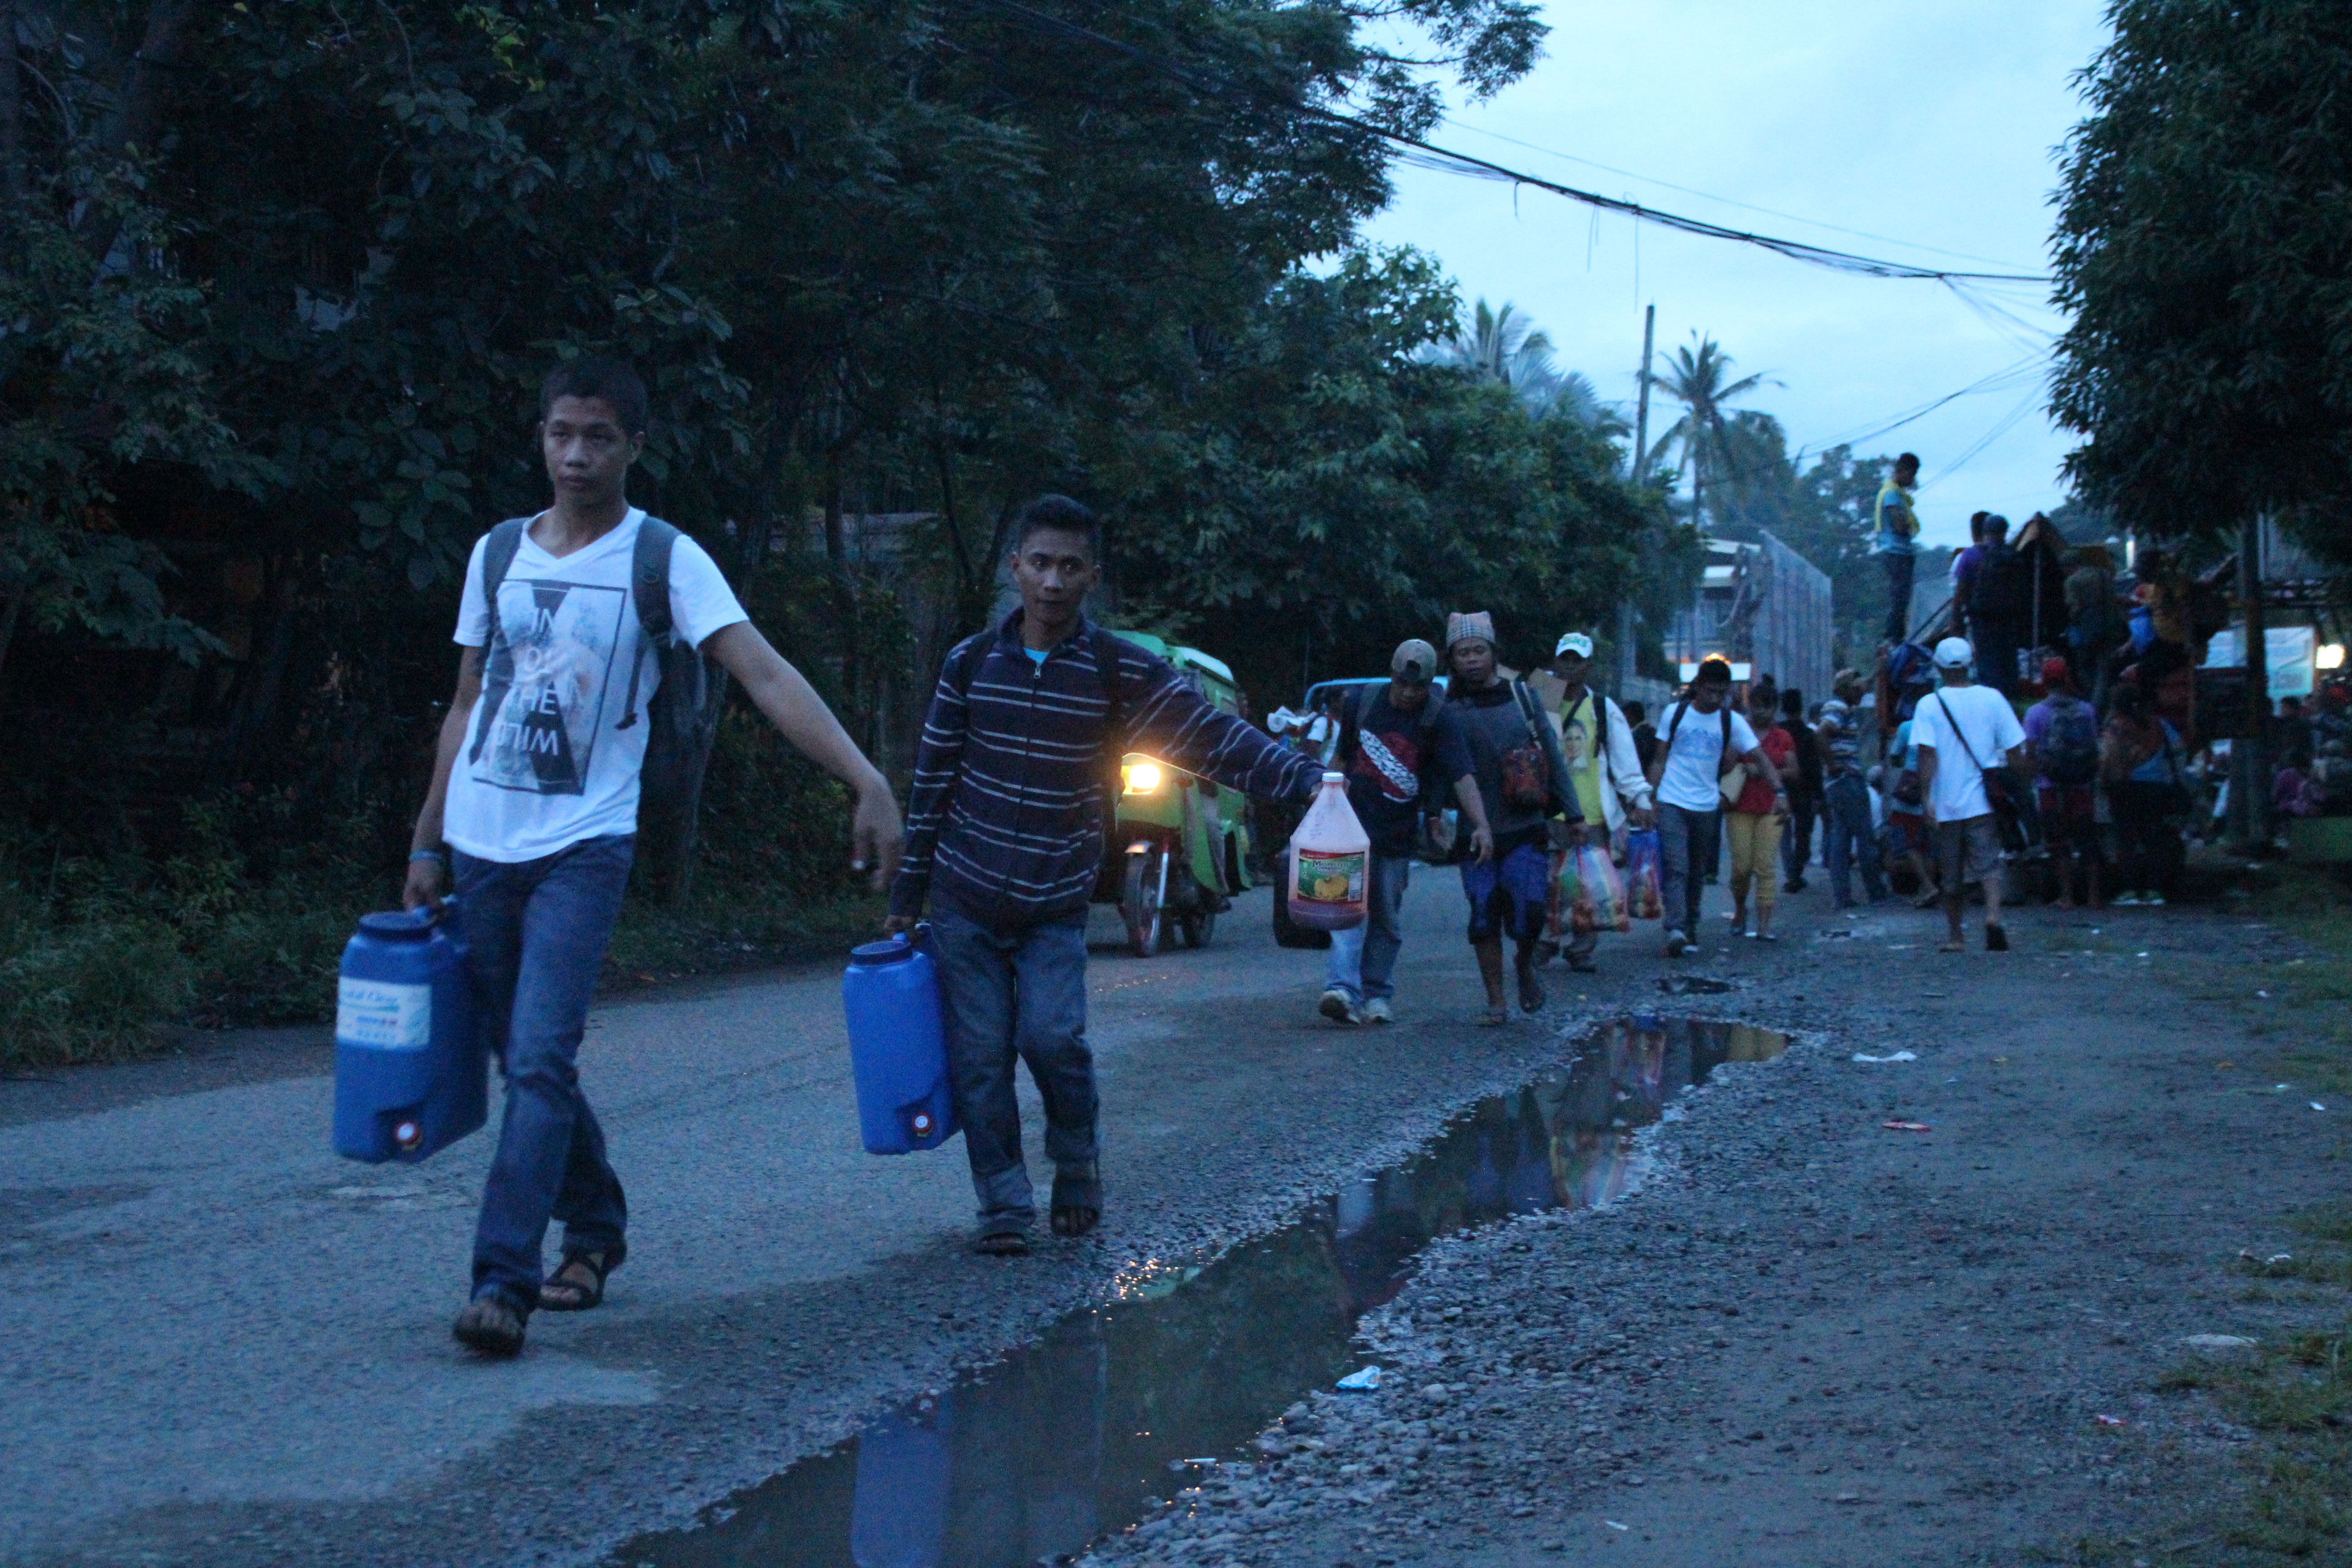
[1397,775]
[543,694]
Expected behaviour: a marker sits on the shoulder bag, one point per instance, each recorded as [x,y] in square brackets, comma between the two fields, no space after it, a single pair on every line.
[2001,794]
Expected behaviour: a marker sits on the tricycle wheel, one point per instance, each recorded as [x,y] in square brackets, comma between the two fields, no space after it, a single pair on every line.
[1143,900]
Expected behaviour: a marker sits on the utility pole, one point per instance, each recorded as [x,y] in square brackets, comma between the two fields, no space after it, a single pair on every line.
[1638,465]
[2250,795]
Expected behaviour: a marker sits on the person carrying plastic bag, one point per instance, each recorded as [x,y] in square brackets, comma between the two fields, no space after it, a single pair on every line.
[1605,772]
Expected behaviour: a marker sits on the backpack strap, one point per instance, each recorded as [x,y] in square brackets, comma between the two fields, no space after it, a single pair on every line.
[498,559]
[649,590]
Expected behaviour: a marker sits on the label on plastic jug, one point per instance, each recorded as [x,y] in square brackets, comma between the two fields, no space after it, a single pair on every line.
[386,1016]
[1326,879]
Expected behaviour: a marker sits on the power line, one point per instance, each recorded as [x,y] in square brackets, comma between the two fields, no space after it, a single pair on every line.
[1423,154]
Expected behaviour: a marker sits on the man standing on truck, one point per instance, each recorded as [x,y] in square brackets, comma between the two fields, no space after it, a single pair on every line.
[1390,738]
[1897,542]
[1004,840]
[535,793]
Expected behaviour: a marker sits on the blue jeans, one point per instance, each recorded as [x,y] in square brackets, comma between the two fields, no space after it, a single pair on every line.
[538,929]
[1848,837]
[1018,993]
[1363,957]
[1687,841]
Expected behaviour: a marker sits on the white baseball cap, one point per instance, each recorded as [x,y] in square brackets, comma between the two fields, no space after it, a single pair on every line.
[1576,643]
[1954,653]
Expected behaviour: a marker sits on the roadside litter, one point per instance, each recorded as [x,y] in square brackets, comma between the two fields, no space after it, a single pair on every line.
[2218,1345]
[1897,1057]
[2113,1421]
[1904,1126]
[1614,1525]
[1363,1382]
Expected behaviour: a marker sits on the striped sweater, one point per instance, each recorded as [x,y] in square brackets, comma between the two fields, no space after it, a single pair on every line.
[1005,822]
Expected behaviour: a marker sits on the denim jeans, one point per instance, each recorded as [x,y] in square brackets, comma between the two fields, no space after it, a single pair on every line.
[1797,835]
[1363,958]
[1899,569]
[1847,837]
[538,929]
[1687,841]
[1018,993]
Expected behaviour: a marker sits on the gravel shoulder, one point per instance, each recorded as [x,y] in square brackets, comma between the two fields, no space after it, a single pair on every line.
[1811,1340]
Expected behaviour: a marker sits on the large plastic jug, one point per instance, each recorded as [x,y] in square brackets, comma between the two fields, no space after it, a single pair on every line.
[411,1073]
[1330,861]
[898,1046]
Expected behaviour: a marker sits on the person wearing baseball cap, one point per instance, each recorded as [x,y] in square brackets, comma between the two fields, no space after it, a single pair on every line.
[1963,734]
[1603,768]
[1392,735]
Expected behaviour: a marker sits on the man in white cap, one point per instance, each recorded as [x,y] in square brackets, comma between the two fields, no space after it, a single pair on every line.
[1603,768]
[1389,739]
[1962,732]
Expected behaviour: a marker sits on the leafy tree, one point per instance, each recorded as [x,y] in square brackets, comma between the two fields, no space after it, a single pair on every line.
[2204,250]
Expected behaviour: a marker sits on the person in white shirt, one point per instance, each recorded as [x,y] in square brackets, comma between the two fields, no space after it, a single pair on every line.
[533,809]
[1700,740]
[1598,746]
[1960,732]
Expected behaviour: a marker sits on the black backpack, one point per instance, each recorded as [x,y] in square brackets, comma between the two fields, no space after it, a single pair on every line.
[683,716]
[2004,585]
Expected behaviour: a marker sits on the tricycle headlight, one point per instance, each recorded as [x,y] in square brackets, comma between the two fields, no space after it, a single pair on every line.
[1143,778]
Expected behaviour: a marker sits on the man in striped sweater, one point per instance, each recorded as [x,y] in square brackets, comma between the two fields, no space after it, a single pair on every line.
[1004,839]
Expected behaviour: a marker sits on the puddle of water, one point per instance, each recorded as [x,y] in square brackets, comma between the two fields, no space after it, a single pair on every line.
[1073,1436]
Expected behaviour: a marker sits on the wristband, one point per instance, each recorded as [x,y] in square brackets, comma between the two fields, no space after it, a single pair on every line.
[439,856]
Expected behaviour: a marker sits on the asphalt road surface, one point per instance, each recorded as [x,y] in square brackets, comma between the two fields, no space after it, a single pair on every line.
[224,1346]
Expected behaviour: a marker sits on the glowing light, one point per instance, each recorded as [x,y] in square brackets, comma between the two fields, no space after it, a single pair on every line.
[1143,778]
[2329,656]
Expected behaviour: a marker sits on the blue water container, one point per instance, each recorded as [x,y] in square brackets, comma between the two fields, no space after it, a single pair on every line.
[411,1073]
[898,1046]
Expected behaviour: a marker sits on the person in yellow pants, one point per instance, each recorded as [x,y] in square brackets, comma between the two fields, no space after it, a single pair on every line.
[1755,820]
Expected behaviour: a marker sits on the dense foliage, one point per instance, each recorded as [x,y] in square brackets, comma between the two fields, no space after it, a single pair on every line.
[2204,249]
[277,281]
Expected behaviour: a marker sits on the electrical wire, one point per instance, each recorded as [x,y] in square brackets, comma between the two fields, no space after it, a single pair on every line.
[1999,381]
[1413,151]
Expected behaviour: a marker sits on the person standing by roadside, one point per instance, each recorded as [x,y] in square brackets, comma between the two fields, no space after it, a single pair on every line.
[536,786]
[2061,746]
[1389,740]
[1645,734]
[1897,542]
[1848,831]
[1755,820]
[2139,762]
[1992,593]
[1805,794]
[1004,842]
[1963,730]
[1603,768]
[1703,738]
[1500,739]
[1906,815]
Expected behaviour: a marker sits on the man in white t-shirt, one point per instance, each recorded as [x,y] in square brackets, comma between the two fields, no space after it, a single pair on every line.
[1700,738]
[533,807]
[1959,733]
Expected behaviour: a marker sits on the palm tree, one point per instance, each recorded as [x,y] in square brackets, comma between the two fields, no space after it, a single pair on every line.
[1696,378]
[1507,349]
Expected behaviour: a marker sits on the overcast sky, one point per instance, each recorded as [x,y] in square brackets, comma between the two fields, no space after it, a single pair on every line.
[1933,122]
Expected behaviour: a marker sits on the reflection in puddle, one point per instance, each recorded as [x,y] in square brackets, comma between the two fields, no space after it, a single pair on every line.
[1072,1436]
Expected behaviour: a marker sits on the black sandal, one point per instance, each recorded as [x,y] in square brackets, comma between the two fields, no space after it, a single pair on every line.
[1002,1244]
[577,1297]
[1078,1201]
[491,1326]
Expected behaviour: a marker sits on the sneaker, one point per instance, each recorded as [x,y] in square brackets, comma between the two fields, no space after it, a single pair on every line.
[2124,902]
[1376,1011]
[1676,944]
[1339,1007]
[2154,901]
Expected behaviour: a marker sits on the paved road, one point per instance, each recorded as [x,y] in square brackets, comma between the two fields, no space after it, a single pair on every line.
[224,1345]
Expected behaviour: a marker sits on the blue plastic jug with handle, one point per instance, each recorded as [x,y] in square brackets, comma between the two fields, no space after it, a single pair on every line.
[411,1073]
[898,1046]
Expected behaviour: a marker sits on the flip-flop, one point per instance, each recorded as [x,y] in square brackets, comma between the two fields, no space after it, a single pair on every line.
[1078,1201]
[577,1297]
[1494,1017]
[491,1326]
